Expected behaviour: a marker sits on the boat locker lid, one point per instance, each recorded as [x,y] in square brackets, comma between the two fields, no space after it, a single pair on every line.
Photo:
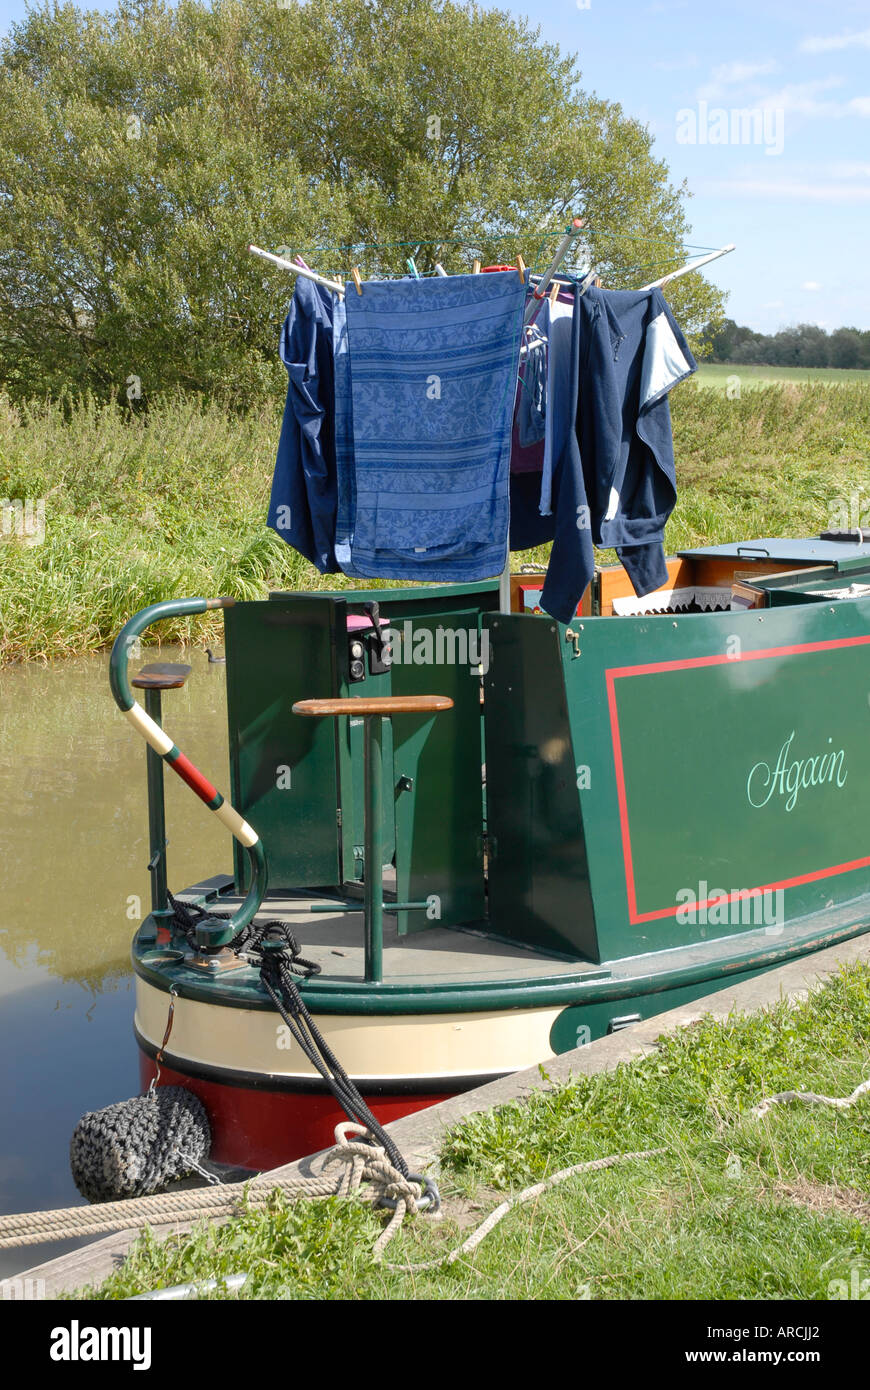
[809,550]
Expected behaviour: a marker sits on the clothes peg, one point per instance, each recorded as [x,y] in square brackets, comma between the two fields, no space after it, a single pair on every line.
[413,269]
[475,268]
[354,275]
[439,269]
[554,292]
[521,269]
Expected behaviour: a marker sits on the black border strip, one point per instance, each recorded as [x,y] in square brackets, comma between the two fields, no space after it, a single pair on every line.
[314,1085]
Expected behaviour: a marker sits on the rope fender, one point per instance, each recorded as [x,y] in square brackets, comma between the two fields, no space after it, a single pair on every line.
[136,1146]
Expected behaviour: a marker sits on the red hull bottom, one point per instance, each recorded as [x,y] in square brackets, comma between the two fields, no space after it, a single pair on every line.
[260,1129]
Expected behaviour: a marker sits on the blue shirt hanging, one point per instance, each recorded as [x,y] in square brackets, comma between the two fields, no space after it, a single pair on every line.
[613,477]
[633,354]
[432,379]
[303,504]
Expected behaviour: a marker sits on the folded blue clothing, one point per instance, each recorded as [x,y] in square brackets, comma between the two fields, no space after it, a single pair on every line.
[431,379]
[302,507]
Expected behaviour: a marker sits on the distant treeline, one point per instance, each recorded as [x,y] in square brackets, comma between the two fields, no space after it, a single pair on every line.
[804,345]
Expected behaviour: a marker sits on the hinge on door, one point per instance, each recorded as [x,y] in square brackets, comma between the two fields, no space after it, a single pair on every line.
[338,816]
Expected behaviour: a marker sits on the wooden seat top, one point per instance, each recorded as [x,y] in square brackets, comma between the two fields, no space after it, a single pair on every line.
[381,704]
[161,675]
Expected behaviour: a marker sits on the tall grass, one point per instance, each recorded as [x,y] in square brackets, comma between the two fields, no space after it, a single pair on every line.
[173,504]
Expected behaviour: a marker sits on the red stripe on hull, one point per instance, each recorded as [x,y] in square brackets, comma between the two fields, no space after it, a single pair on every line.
[263,1129]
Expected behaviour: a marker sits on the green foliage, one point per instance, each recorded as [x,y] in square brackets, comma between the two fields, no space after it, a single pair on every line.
[141,151]
[298,1250]
[168,505]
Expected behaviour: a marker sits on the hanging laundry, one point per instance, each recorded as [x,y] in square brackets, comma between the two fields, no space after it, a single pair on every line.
[432,379]
[343,423]
[527,444]
[634,353]
[302,507]
[560,408]
[613,480]
[572,558]
[530,413]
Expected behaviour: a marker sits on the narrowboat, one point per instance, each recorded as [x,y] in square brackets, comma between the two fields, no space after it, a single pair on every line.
[495,837]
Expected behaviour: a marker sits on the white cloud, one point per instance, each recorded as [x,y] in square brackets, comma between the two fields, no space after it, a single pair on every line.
[811,285]
[735,74]
[845,169]
[835,42]
[803,98]
[786,189]
[860,105]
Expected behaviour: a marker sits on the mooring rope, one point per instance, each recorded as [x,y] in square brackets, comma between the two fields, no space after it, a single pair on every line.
[527,1195]
[362,1162]
[810,1098]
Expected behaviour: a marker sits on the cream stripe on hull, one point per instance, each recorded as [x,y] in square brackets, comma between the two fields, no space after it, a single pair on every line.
[369,1047]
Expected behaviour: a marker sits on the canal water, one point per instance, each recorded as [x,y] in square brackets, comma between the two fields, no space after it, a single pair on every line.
[74,854]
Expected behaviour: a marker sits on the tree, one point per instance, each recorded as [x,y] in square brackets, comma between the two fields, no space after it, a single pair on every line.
[803,345]
[850,348]
[142,151]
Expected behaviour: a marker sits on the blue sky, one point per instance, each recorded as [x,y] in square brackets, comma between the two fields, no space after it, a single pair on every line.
[789,182]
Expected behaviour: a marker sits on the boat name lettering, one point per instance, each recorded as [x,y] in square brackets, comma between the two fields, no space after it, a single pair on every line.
[792,775]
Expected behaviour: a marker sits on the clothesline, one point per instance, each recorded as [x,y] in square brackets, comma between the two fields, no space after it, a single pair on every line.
[558,265]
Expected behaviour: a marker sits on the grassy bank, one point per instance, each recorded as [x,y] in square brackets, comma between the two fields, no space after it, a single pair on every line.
[718,374]
[139,509]
[737,1207]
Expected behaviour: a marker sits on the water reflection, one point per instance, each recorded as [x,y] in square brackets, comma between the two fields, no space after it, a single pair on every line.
[74,850]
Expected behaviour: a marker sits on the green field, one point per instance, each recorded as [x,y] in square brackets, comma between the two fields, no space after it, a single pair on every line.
[173,504]
[717,374]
